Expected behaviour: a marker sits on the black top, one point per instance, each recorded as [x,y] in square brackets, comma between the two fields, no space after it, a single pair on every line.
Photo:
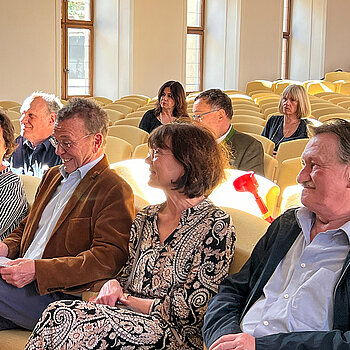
[25,156]
[274,131]
[149,121]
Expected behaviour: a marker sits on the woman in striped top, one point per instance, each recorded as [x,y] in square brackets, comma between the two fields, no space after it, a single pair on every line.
[13,202]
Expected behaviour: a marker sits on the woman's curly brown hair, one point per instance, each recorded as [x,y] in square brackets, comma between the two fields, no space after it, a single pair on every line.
[8,133]
[196,149]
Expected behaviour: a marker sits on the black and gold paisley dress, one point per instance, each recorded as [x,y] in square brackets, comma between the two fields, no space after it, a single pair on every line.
[181,275]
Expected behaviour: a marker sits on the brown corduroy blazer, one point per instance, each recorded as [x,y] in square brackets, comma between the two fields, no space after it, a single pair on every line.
[89,243]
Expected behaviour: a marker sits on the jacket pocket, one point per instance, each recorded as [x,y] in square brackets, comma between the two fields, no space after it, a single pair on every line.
[78,235]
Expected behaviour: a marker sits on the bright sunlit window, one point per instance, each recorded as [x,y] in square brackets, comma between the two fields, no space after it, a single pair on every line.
[77,39]
[286,39]
[194,47]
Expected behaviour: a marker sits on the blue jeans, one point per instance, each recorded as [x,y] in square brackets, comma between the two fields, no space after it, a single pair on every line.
[22,307]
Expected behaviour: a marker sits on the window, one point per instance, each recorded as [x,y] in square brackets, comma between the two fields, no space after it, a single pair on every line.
[77,48]
[285,39]
[194,46]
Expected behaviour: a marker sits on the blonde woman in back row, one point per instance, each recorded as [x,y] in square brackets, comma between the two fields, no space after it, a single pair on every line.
[294,107]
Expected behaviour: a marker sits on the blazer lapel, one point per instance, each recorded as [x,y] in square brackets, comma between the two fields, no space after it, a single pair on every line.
[78,193]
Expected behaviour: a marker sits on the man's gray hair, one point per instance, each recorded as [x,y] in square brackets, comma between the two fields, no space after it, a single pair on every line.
[53,103]
[339,127]
[95,118]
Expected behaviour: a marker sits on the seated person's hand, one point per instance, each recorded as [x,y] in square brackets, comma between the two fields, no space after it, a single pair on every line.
[110,293]
[19,273]
[241,341]
[3,249]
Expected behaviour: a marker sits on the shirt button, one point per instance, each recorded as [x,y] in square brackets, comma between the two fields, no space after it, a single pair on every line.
[302,265]
[266,323]
[286,296]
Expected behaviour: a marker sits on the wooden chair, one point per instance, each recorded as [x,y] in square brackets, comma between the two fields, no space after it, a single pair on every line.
[267,144]
[8,104]
[246,106]
[135,114]
[13,115]
[101,99]
[131,134]
[30,184]
[119,107]
[248,128]
[345,104]
[138,96]
[344,89]
[326,117]
[16,109]
[117,149]
[289,150]
[271,110]
[287,176]
[330,110]
[249,229]
[128,121]
[314,87]
[270,166]
[140,101]
[260,85]
[114,115]
[248,119]
[140,151]
[334,76]
[240,111]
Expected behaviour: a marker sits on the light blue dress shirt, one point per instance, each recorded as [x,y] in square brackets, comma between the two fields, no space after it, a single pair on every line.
[55,207]
[299,294]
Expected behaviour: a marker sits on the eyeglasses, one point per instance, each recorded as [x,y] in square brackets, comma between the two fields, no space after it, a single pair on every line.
[154,153]
[66,145]
[198,117]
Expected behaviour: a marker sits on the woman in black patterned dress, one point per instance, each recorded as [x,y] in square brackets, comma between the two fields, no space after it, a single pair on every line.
[180,251]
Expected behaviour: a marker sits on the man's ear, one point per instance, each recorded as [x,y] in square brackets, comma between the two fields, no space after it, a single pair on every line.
[98,141]
[222,114]
[52,118]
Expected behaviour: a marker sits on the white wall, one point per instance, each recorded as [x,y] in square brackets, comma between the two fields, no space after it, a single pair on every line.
[159,44]
[260,41]
[337,43]
[30,48]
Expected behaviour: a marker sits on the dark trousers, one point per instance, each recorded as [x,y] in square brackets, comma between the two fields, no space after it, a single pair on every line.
[22,307]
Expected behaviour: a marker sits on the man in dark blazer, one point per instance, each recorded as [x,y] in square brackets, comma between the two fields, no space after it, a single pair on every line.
[213,109]
[76,234]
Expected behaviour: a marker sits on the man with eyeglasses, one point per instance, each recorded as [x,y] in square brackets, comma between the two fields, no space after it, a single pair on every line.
[76,234]
[213,109]
[34,153]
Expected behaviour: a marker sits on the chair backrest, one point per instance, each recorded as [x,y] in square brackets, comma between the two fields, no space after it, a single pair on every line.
[30,184]
[290,149]
[248,119]
[103,100]
[128,121]
[13,115]
[140,101]
[133,105]
[131,134]
[325,117]
[270,166]
[287,176]
[320,105]
[258,85]
[255,113]
[138,96]
[140,151]
[251,128]
[114,115]
[246,106]
[249,229]
[271,110]
[266,106]
[135,114]
[267,144]
[314,87]
[16,109]
[345,104]
[334,76]
[117,149]
[17,125]
[336,100]
[345,88]
[119,107]
[8,104]
[329,110]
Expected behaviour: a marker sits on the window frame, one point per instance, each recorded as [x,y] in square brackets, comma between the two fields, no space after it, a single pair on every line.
[199,31]
[66,24]
[286,38]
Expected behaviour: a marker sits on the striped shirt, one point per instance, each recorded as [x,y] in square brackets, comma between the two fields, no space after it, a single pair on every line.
[13,202]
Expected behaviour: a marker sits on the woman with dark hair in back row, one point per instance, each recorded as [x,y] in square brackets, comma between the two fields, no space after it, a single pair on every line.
[179,252]
[170,106]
